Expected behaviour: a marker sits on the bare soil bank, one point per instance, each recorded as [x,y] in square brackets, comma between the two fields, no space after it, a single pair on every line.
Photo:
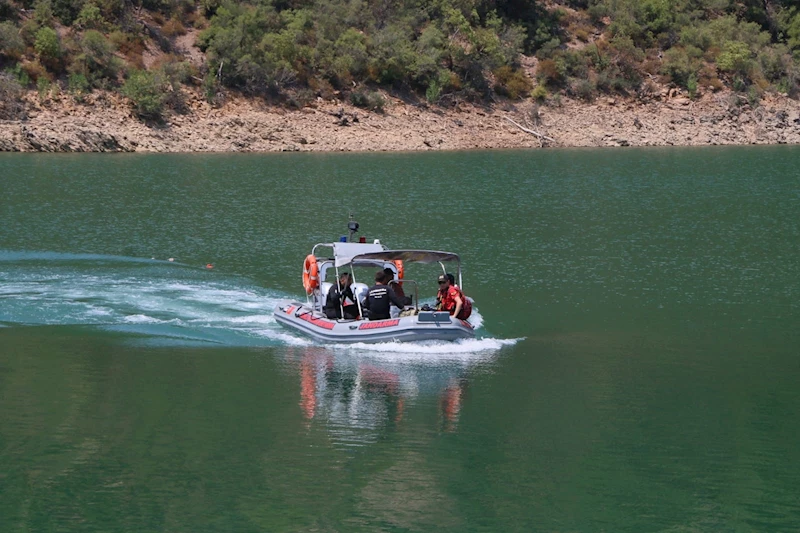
[105,123]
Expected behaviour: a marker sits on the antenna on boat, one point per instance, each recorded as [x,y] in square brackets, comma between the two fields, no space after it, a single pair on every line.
[352,226]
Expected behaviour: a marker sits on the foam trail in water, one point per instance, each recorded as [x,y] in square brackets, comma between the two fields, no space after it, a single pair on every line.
[168,299]
[428,352]
[141,296]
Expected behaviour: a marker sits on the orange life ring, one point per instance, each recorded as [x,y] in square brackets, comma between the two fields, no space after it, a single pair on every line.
[398,264]
[310,274]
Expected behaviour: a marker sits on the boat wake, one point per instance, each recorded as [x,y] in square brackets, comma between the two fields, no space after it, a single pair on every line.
[410,351]
[164,302]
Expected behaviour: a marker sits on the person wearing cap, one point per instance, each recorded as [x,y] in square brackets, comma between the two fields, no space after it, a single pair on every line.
[380,298]
[449,297]
[340,301]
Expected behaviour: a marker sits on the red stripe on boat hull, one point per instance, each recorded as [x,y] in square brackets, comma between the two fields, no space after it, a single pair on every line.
[319,322]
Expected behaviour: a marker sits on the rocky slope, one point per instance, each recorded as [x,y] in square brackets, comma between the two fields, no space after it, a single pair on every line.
[105,123]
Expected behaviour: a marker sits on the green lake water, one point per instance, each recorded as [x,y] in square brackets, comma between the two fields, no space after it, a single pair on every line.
[636,366]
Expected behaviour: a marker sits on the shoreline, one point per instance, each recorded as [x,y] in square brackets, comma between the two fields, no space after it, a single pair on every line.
[104,122]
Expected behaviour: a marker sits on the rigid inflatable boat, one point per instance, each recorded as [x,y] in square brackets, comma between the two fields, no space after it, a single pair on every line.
[413,323]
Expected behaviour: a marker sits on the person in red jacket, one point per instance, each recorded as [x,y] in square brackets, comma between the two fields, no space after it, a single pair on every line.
[449,297]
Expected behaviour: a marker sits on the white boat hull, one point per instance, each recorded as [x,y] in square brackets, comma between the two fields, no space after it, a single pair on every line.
[427,325]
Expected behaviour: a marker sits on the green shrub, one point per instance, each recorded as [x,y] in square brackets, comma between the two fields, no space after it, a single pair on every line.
[97,46]
[597,56]
[682,63]
[174,71]
[433,91]
[538,23]
[697,36]
[775,62]
[174,27]
[691,85]
[210,7]
[96,60]
[789,85]
[43,86]
[539,93]
[77,84]
[43,13]
[377,102]
[66,10]
[617,63]
[359,99]
[597,11]
[444,81]
[729,29]
[211,89]
[33,69]
[791,25]
[584,89]
[575,64]
[19,73]
[371,100]
[11,44]
[736,59]
[90,18]
[349,57]
[645,22]
[551,72]
[130,45]
[147,97]
[753,96]
[48,47]
[393,57]
[549,49]
[429,50]
[28,31]
[7,10]
[657,15]
[512,83]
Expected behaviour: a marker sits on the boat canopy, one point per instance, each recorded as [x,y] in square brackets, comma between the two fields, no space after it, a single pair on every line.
[410,256]
[345,252]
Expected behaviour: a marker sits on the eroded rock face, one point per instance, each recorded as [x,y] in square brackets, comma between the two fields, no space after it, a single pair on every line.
[8,146]
[97,141]
[37,141]
[34,139]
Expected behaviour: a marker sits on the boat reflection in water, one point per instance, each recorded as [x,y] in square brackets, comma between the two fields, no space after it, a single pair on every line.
[356,394]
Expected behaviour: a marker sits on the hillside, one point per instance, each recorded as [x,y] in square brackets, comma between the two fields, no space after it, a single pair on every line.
[156,68]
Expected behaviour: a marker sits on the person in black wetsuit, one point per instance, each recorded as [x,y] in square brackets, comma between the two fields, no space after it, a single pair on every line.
[379,298]
[341,297]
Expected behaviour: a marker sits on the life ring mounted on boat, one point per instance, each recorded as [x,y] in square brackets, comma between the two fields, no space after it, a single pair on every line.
[310,274]
[398,264]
